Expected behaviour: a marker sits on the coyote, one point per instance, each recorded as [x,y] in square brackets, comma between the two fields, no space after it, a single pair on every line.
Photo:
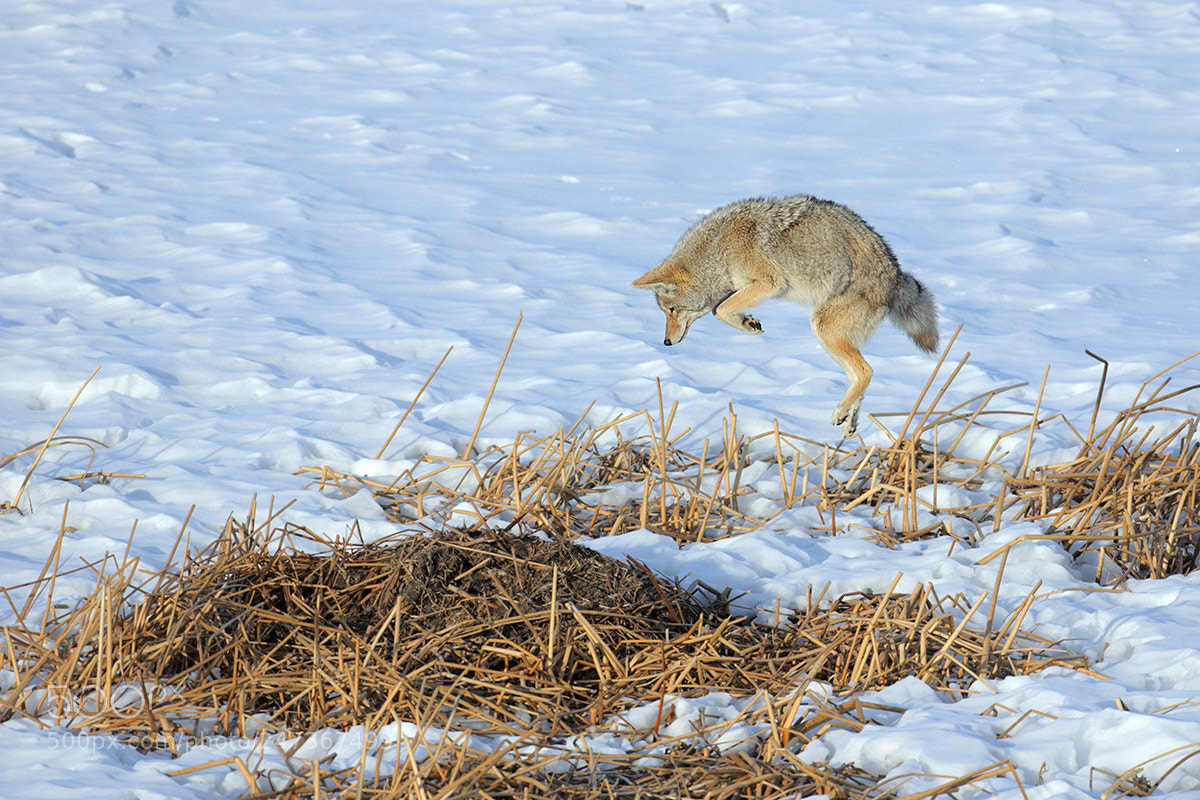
[801,248]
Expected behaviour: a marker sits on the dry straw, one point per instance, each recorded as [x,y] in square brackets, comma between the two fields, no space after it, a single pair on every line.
[493,621]
[1126,506]
[484,631]
[51,441]
[1131,497]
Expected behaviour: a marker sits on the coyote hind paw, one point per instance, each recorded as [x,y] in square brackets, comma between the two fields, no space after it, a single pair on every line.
[848,419]
[751,325]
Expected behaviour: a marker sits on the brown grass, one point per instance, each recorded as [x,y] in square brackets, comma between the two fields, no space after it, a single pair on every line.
[1128,502]
[484,631]
[1131,497]
[258,630]
[491,619]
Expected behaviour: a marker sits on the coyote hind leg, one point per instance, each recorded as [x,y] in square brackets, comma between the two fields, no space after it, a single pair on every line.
[859,372]
[839,329]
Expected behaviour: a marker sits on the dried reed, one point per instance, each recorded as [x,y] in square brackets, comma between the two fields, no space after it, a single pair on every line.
[482,630]
[480,625]
[1130,499]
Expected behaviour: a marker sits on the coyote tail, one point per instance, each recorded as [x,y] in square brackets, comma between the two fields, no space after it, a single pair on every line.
[912,309]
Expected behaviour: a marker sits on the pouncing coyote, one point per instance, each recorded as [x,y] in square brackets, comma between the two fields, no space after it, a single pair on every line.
[800,248]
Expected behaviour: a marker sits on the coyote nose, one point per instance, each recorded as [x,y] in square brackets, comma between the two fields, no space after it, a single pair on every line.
[667,342]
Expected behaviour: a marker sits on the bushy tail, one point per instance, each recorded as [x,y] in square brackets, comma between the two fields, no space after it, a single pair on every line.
[914,311]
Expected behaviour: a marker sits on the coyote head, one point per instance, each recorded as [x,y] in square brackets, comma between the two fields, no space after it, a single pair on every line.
[673,289]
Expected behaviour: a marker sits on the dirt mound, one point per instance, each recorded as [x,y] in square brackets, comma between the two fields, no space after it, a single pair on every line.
[480,629]
[454,577]
[485,632]
[307,639]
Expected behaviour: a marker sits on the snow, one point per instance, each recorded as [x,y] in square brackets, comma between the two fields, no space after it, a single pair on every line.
[266,223]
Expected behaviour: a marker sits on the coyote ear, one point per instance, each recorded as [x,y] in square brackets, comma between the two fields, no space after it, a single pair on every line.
[661,277]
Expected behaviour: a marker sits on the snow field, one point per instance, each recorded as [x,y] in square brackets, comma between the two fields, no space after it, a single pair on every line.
[267,222]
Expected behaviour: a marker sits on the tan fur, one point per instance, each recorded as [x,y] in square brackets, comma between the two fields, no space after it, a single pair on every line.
[672,272]
[799,248]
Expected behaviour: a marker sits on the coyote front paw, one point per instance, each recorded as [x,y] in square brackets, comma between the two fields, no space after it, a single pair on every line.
[751,325]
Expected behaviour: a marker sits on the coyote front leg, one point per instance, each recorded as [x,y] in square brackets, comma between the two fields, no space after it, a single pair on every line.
[730,309]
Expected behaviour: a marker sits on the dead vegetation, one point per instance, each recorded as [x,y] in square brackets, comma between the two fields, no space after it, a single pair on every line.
[493,629]
[39,449]
[536,641]
[487,618]
[1125,506]
[1131,497]
[684,774]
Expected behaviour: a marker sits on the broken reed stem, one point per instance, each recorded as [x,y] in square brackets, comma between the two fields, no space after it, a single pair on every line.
[929,382]
[987,631]
[1099,394]
[16,501]
[470,446]
[413,403]
[1033,423]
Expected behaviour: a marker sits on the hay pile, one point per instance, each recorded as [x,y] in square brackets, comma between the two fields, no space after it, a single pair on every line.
[485,631]
[490,628]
